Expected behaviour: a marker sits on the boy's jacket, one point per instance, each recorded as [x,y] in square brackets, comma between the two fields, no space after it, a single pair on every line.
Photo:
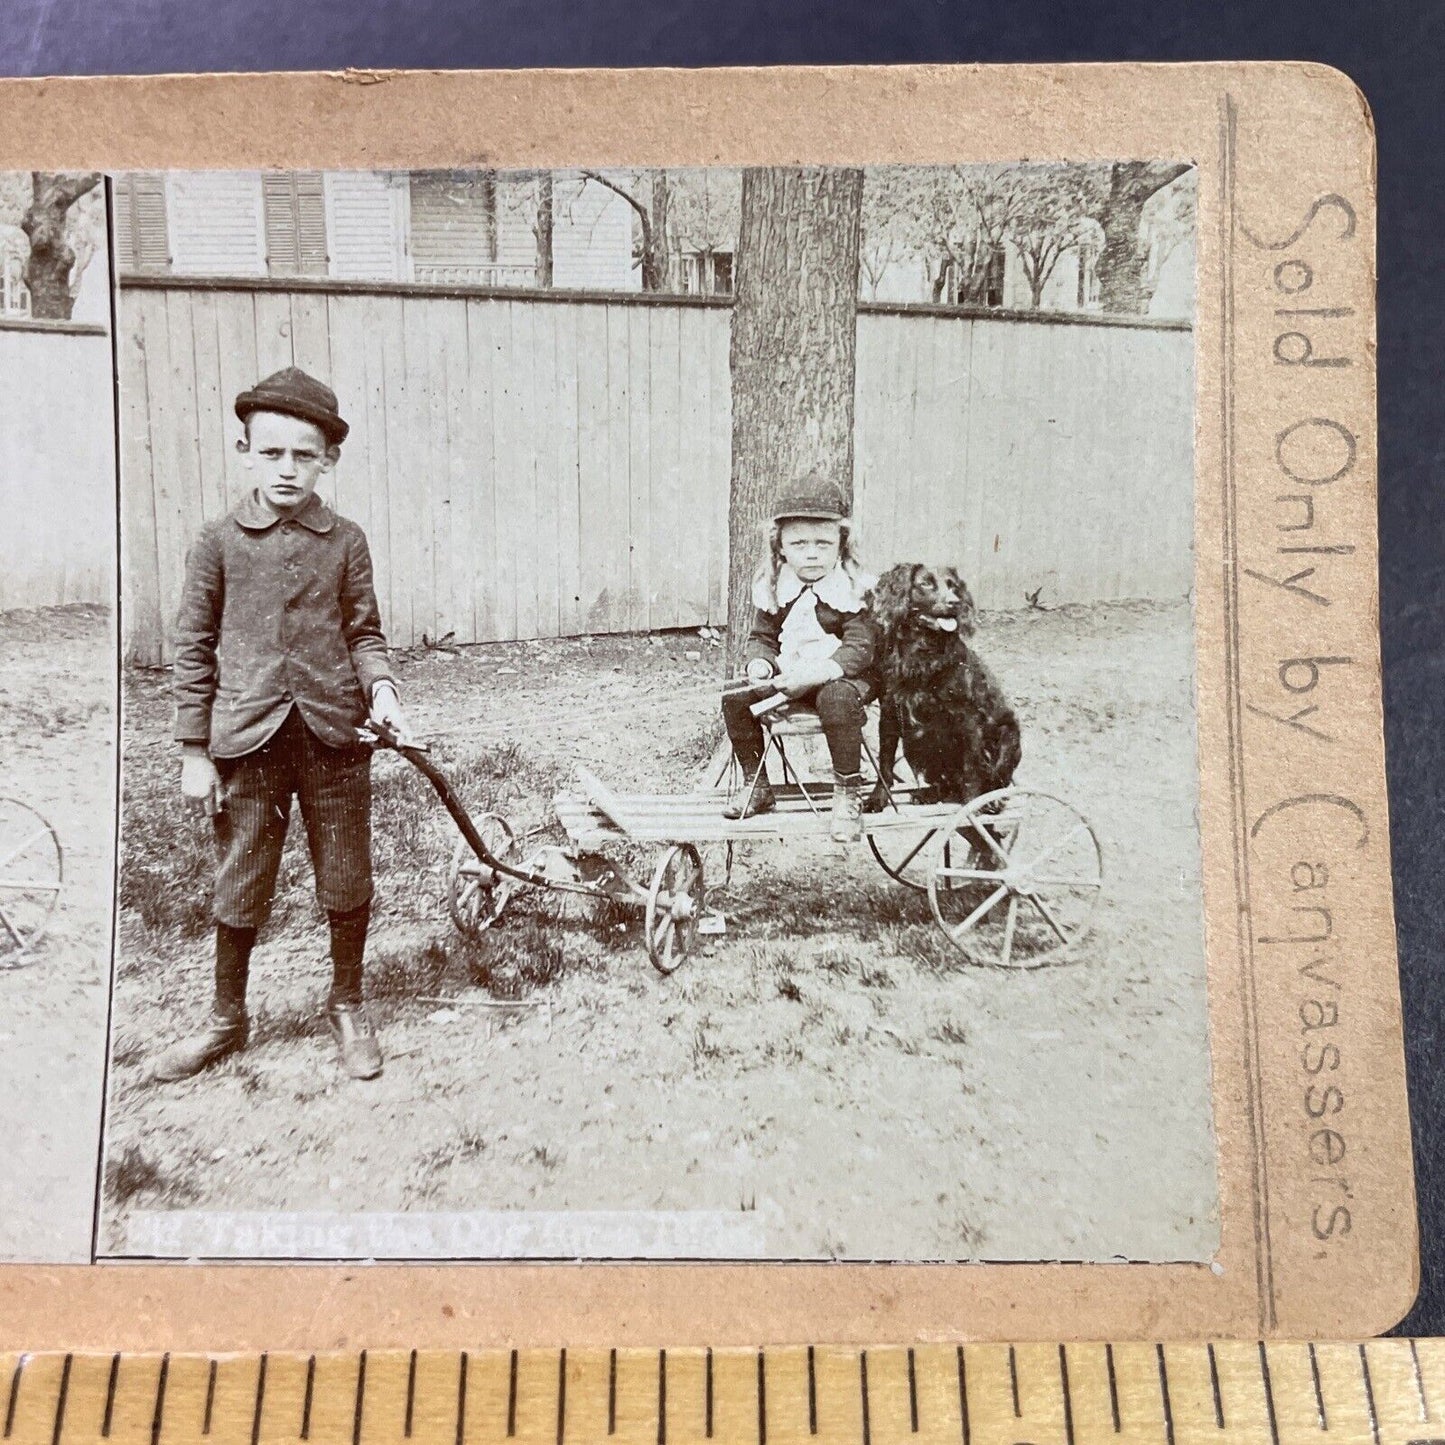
[858,632]
[274,614]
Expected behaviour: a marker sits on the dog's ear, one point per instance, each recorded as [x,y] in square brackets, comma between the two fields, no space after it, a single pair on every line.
[893,595]
[967,613]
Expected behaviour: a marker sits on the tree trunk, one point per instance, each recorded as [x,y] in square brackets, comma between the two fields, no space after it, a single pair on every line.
[794,333]
[544,228]
[1122,267]
[489,214]
[654,235]
[47,272]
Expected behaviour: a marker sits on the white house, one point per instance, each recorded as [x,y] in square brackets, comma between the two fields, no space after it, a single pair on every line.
[459,227]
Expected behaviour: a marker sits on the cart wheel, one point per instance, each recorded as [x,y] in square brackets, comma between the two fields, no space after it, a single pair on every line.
[31,872]
[674,906]
[476,894]
[905,854]
[1023,881]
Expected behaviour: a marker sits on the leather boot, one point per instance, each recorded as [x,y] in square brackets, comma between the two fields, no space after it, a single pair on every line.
[356,1044]
[222,1034]
[760,799]
[847,824]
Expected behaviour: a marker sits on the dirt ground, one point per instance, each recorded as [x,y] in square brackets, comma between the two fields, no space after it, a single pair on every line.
[57,754]
[827,1079]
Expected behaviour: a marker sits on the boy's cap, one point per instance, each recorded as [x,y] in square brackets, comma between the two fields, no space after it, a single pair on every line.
[814,498]
[293,393]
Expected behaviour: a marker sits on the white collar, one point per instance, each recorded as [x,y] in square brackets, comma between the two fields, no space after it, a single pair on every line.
[842,592]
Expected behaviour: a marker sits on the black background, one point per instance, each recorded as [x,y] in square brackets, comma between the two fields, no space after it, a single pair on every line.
[1393,50]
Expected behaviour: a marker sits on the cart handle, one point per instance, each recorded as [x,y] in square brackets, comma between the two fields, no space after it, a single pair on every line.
[379,734]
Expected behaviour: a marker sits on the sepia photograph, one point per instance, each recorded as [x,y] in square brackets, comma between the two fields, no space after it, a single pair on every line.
[658,715]
[57,704]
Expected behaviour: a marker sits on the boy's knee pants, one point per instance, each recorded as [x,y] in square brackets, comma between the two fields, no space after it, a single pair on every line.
[840,706]
[333,787]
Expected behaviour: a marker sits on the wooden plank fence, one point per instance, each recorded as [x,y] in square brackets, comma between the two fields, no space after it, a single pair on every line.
[540,466]
[57,464]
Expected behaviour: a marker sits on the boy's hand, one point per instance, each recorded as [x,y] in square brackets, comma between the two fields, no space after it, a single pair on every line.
[760,669]
[386,709]
[201,781]
[805,676]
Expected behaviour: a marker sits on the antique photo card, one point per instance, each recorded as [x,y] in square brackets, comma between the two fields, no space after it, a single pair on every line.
[802,711]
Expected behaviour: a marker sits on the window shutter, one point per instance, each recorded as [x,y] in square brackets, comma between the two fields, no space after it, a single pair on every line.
[278,199]
[142,237]
[310,222]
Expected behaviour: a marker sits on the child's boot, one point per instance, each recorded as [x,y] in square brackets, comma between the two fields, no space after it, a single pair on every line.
[757,794]
[346,1014]
[355,1037]
[847,824]
[223,1034]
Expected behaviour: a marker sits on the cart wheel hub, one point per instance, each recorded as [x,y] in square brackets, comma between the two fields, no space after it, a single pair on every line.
[682,907]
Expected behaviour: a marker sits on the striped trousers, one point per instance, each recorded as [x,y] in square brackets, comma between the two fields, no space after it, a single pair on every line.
[333,788]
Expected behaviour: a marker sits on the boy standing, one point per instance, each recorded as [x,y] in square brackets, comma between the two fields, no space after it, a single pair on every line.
[280,656]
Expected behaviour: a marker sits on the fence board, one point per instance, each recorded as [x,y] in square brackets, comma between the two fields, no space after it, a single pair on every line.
[57,467]
[528,468]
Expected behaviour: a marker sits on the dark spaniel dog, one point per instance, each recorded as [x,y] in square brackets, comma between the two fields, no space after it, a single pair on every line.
[959,733]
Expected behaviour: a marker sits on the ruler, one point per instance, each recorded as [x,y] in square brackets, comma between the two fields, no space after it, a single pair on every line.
[1386,1392]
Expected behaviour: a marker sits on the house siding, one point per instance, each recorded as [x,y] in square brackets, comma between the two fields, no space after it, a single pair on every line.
[365,215]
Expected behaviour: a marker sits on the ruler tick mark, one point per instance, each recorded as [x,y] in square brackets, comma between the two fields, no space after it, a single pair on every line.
[963,1399]
[1419,1381]
[60,1402]
[306,1398]
[812,1392]
[110,1396]
[1319,1393]
[1113,1387]
[1164,1395]
[260,1400]
[410,1392]
[863,1391]
[662,1397]
[360,1400]
[1369,1394]
[612,1393]
[159,1413]
[1013,1380]
[1068,1398]
[210,1398]
[462,1400]
[561,1395]
[1214,1389]
[708,1404]
[1264,1375]
[14,1396]
[512,1396]
[912,1393]
[762,1400]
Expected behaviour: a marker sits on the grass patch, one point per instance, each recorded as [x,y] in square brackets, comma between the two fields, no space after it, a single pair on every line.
[134,1177]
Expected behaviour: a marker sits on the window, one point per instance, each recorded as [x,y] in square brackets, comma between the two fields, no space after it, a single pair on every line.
[707,273]
[142,238]
[993,277]
[295,205]
[1088,291]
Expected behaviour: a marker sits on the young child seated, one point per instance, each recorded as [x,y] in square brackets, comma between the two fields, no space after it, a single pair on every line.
[813,640]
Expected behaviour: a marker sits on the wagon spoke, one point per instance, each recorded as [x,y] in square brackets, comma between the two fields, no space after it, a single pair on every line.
[913,852]
[15,852]
[664,925]
[1066,882]
[988,838]
[24,885]
[978,875]
[15,933]
[1055,846]
[1008,929]
[667,946]
[959,929]
[468,893]
[1048,914]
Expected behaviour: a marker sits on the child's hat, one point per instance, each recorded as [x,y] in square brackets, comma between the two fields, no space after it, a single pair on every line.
[813,499]
[293,393]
